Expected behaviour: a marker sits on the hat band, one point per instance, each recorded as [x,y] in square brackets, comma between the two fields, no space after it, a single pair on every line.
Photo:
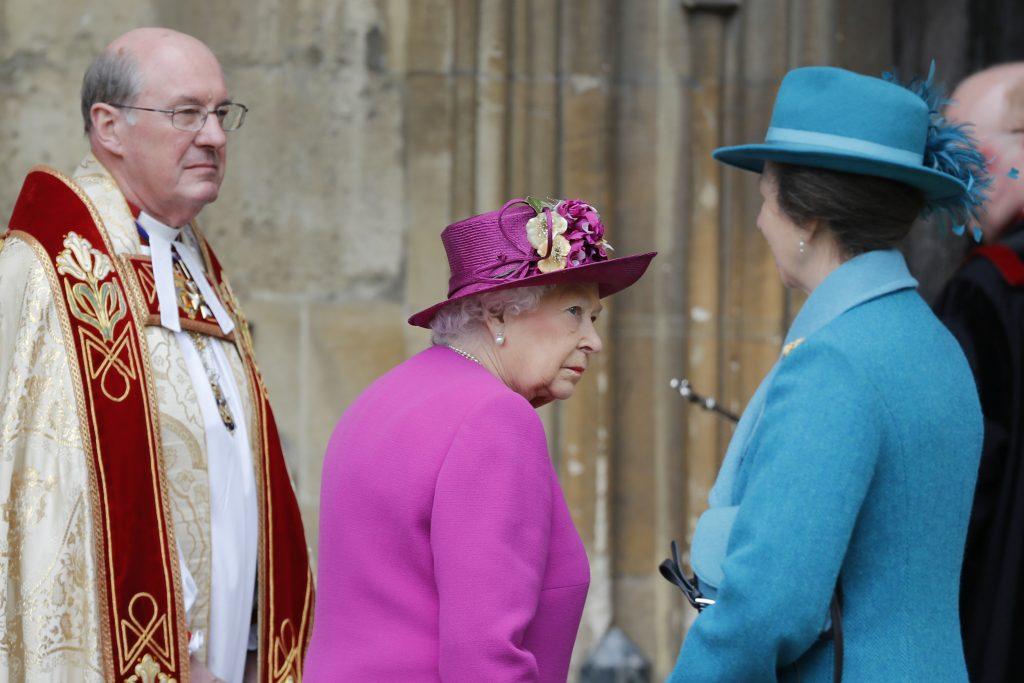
[846,144]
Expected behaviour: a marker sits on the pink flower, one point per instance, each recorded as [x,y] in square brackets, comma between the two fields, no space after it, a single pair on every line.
[577,252]
[585,232]
[574,209]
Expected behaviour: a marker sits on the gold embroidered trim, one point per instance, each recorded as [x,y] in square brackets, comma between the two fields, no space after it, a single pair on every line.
[260,454]
[106,637]
[306,614]
[265,454]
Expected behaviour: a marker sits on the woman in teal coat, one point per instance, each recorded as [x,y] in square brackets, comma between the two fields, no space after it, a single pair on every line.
[851,472]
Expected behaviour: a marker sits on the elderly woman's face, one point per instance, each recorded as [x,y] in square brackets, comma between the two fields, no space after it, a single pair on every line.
[548,349]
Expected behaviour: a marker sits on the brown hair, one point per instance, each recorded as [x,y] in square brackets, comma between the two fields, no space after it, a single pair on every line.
[863,212]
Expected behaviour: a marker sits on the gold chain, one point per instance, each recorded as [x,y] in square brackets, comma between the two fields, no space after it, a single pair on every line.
[214,379]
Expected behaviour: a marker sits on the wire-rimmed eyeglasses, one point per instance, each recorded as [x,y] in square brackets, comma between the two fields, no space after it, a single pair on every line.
[191,117]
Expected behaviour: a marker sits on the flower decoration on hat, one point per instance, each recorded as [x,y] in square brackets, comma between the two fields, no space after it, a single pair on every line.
[586,238]
[950,149]
[546,232]
[531,242]
[565,234]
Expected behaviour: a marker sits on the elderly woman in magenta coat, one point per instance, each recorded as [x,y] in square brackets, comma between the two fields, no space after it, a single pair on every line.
[848,481]
[446,548]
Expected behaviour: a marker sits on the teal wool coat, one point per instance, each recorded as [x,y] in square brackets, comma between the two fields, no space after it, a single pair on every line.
[855,461]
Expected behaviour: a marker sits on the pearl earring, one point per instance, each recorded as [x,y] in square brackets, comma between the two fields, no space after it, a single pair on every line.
[803,247]
[499,338]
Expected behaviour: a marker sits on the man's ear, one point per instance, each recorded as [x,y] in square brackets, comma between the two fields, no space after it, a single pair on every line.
[105,131]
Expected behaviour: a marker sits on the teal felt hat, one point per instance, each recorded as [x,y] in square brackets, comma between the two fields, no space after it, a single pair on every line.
[826,117]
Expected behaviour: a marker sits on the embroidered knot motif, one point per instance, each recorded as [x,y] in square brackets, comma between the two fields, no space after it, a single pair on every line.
[286,654]
[144,633]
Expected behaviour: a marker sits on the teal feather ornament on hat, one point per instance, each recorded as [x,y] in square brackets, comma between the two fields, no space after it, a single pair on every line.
[950,149]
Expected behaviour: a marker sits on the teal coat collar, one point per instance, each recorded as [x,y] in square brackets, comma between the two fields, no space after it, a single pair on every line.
[862,278]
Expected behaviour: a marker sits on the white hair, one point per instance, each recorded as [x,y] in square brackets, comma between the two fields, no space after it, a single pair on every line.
[456,321]
[112,78]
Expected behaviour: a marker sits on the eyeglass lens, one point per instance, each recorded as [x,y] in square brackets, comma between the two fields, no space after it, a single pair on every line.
[230,117]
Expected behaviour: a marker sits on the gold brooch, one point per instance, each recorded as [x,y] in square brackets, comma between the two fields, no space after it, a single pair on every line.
[791,345]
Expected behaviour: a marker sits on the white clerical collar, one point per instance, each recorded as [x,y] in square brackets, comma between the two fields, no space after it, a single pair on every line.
[162,239]
[153,227]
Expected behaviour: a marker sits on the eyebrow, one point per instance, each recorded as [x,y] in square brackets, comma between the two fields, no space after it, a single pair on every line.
[188,99]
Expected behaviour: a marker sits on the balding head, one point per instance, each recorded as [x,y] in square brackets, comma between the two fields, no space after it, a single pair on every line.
[150,46]
[992,102]
[115,76]
[168,169]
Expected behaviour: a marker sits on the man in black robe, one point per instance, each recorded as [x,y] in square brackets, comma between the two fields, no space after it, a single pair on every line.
[983,305]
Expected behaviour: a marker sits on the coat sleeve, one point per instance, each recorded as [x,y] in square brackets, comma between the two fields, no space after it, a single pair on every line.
[490,525]
[810,466]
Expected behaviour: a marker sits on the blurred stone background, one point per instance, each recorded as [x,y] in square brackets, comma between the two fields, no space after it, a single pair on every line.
[374,123]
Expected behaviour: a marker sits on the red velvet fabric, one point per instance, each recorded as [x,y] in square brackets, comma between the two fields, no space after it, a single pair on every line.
[1005,260]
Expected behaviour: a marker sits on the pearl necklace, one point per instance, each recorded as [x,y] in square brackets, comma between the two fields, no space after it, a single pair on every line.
[464,354]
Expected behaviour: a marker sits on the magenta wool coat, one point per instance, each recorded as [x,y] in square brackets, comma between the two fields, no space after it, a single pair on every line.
[446,548]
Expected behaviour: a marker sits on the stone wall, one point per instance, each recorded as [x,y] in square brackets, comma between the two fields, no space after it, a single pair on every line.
[374,123]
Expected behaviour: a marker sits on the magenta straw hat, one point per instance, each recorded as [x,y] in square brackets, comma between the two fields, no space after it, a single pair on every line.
[530,243]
